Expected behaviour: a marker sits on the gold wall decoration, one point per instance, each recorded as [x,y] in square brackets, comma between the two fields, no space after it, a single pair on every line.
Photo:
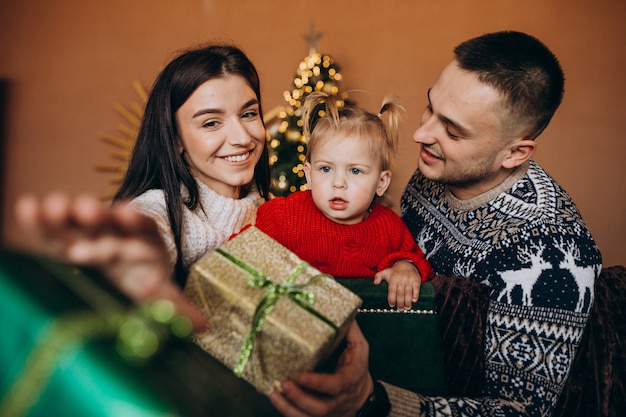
[124,141]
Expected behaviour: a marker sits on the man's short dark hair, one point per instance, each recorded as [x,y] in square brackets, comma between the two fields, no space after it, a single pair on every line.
[523,69]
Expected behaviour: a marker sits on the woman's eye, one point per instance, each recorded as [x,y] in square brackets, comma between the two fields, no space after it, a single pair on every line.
[325,169]
[250,114]
[210,123]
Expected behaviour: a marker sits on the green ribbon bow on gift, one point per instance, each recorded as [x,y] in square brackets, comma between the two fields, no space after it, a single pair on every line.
[274,291]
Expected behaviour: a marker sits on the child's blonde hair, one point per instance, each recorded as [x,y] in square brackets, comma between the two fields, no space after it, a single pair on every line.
[323,118]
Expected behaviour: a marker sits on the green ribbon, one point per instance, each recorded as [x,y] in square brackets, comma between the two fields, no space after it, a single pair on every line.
[274,292]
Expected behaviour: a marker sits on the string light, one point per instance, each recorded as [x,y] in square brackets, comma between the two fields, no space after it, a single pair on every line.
[316,72]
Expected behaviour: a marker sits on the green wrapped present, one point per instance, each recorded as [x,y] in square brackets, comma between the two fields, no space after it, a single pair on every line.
[72,345]
[404,345]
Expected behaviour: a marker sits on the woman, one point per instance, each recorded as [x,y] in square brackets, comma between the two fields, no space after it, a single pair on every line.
[198,172]
[200,165]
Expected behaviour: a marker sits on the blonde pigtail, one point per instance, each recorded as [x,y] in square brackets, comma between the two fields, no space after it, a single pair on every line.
[393,112]
[311,103]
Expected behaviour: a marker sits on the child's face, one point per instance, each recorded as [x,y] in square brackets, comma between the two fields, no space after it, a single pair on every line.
[344,176]
[221,133]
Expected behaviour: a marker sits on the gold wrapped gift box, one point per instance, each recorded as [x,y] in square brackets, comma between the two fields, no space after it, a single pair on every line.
[270,315]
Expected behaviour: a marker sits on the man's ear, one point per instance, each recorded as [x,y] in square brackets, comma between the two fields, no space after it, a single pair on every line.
[383,182]
[520,152]
[307,172]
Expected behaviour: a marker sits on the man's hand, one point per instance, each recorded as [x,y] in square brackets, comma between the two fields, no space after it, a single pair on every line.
[334,395]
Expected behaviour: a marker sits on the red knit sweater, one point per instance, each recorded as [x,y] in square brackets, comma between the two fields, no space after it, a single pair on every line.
[357,250]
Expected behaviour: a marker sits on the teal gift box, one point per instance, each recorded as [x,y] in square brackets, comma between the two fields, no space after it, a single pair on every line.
[72,345]
[405,346]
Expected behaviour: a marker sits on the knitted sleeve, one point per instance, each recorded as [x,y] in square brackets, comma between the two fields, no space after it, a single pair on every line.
[152,204]
[403,247]
[268,218]
[528,354]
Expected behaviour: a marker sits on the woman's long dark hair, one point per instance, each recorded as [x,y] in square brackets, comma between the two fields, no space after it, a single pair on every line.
[155,162]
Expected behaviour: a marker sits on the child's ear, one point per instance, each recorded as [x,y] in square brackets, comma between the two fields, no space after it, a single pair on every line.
[307,172]
[519,153]
[383,182]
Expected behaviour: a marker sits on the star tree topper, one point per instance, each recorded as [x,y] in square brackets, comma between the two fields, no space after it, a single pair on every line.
[313,38]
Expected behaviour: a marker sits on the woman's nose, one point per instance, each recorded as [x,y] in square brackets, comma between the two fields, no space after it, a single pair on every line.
[238,134]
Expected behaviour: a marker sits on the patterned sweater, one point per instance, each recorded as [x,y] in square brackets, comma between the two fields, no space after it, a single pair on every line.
[526,240]
[357,250]
[214,220]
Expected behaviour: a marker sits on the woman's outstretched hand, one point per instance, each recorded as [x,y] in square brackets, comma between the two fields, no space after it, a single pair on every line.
[122,243]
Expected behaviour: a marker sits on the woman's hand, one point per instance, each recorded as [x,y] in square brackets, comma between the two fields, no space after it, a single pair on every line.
[121,242]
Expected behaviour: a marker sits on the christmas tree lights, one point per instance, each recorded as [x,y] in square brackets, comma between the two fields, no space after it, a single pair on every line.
[316,72]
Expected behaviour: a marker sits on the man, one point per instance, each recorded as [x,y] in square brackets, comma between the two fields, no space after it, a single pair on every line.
[480,207]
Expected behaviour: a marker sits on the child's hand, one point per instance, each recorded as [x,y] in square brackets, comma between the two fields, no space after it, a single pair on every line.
[403,282]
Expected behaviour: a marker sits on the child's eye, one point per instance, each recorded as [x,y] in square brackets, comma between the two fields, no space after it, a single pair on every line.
[355,171]
[325,168]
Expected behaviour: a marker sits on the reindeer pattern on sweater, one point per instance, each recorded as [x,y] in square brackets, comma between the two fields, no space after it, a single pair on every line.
[529,243]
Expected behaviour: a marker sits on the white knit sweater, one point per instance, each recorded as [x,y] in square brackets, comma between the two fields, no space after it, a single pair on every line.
[214,220]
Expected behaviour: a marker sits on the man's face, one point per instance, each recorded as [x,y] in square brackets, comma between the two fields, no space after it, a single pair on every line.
[462,140]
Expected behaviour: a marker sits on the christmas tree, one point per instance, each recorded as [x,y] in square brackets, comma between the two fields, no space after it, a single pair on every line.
[316,72]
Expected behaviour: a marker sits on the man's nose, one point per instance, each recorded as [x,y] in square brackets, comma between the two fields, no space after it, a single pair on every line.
[426,132]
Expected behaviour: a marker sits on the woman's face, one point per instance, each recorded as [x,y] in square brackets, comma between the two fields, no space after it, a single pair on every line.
[221,133]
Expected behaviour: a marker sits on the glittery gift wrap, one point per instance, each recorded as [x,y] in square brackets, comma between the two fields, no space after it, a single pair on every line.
[261,299]
[72,345]
[405,347]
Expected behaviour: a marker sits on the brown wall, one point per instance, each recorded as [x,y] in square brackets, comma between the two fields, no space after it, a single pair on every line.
[68,62]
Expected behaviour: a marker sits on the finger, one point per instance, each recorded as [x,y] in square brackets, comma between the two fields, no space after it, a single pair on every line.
[44,223]
[306,402]
[355,336]
[55,210]
[408,295]
[92,252]
[392,288]
[90,213]
[131,221]
[417,284]
[26,212]
[284,406]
